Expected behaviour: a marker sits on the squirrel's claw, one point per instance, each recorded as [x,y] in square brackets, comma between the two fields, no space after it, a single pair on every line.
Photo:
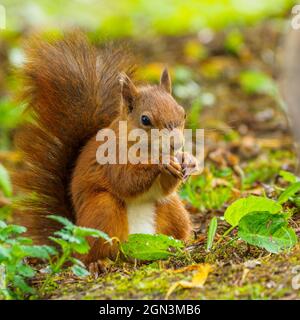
[174,169]
[188,163]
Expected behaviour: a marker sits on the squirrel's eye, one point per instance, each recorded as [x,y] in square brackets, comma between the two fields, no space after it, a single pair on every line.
[146,121]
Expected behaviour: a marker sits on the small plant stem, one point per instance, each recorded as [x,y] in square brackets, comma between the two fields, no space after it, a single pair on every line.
[224,235]
[232,240]
[56,268]
[4,289]
[61,261]
[228,231]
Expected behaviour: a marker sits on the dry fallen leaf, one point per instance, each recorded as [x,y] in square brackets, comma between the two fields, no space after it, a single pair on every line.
[197,281]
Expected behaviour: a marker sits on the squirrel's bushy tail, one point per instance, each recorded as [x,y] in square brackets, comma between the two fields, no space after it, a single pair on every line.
[72,92]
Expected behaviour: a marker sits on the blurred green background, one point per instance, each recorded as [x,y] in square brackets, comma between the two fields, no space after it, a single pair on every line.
[138,18]
[186,35]
[177,33]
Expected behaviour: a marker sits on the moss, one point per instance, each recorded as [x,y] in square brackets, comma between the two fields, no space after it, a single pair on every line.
[269,278]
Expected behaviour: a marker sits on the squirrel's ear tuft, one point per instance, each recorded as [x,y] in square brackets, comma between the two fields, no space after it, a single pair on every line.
[165,81]
[128,90]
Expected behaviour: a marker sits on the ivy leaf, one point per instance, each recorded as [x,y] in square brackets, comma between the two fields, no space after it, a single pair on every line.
[289,192]
[150,247]
[267,230]
[211,233]
[237,210]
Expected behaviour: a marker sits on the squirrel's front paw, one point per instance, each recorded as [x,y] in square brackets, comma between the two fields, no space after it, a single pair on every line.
[173,168]
[189,163]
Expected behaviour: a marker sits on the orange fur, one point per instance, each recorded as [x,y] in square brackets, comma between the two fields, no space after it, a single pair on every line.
[172,218]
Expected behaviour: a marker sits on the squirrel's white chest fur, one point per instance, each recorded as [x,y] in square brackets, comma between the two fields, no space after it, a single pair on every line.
[141,212]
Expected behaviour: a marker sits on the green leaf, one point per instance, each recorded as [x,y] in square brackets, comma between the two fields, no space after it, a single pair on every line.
[150,247]
[22,285]
[82,247]
[267,230]
[257,82]
[61,220]
[41,252]
[51,250]
[289,192]
[211,233]
[65,235]
[25,270]
[288,176]
[77,262]
[5,183]
[10,230]
[85,232]
[2,224]
[24,240]
[4,253]
[234,41]
[79,271]
[67,240]
[238,209]
[63,243]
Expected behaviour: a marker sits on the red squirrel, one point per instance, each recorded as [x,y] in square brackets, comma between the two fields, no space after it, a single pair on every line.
[73,91]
